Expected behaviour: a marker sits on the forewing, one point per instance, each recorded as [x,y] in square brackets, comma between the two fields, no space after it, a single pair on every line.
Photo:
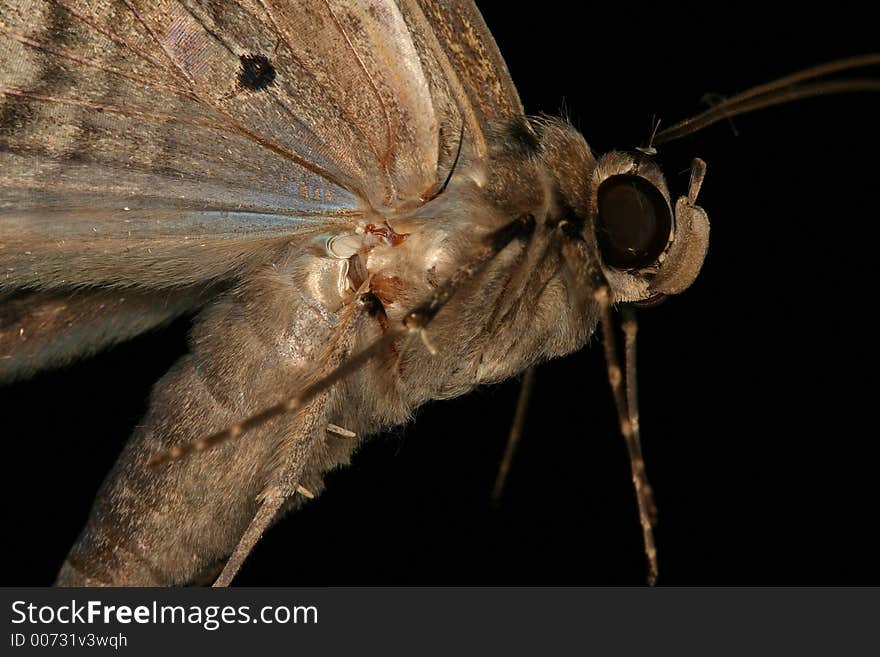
[177,145]
[465,39]
[134,125]
[151,153]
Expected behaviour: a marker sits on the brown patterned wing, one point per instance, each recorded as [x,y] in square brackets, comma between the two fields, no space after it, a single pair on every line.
[137,125]
[462,34]
[174,145]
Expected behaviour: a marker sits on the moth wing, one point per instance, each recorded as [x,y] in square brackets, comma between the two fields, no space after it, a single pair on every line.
[468,44]
[142,144]
[128,126]
[154,148]
[172,145]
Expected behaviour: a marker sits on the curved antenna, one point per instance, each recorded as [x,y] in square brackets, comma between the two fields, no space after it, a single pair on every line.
[783,90]
[648,148]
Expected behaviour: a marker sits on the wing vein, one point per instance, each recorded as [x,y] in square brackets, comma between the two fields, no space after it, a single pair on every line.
[89,20]
[90,63]
[389,132]
[232,128]
[350,119]
[162,45]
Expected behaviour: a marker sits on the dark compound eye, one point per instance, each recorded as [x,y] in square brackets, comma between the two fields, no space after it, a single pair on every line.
[634,222]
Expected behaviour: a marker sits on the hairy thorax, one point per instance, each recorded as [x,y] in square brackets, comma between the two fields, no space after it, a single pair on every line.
[526,306]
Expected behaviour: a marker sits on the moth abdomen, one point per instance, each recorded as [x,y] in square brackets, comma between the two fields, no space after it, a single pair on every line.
[164,524]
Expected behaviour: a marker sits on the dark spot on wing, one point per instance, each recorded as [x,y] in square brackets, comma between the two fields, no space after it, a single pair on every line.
[256,72]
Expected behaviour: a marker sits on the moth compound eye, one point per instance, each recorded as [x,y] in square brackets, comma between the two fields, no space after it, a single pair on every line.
[634,222]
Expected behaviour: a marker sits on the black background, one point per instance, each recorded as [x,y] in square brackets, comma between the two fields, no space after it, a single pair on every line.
[757,385]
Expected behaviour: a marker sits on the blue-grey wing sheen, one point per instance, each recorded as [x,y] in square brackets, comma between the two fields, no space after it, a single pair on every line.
[152,153]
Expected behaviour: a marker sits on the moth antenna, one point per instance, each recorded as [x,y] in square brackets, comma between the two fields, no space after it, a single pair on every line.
[516,429]
[779,91]
[627,414]
[648,149]
[713,100]
[415,321]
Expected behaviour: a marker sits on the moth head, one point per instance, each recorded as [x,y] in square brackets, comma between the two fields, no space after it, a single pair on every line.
[648,248]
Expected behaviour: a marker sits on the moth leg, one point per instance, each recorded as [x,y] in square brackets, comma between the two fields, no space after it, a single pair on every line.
[287,482]
[627,413]
[414,321]
[340,431]
[309,401]
[647,507]
[264,518]
[293,454]
[284,486]
[305,492]
[516,429]
[419,318]
[290,405]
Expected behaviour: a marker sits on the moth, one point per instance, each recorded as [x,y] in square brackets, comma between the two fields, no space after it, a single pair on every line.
[223,190]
